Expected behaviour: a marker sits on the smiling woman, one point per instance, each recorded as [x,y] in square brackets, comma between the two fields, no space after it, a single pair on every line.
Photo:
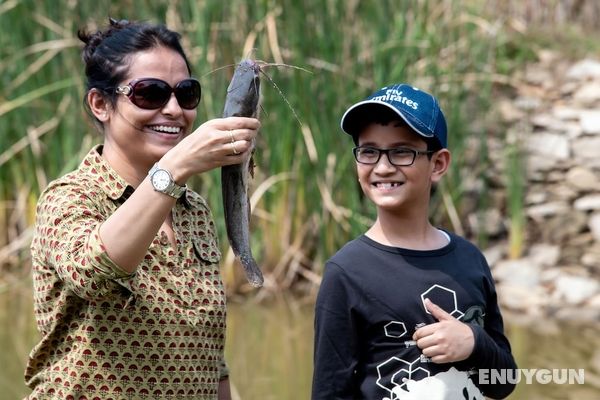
[122,245]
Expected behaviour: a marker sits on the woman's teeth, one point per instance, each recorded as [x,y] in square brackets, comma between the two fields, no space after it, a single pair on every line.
[166,129]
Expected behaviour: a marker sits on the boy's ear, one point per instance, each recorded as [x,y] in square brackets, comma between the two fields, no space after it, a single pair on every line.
[441,163]
[99,105]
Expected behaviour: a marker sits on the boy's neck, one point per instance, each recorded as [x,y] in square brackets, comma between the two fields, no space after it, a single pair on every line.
[408,233]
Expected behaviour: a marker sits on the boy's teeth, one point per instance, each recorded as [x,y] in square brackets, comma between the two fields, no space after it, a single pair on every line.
[168,129]
[387,185]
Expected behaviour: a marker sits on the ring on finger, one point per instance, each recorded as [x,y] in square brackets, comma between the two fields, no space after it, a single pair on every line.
[231,135]
[235,151]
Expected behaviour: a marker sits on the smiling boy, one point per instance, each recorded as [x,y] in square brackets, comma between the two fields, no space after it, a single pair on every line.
[405,304]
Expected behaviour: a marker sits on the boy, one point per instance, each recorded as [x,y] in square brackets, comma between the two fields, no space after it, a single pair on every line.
[406,310]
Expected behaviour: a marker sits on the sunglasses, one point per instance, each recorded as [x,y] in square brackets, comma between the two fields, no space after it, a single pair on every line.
[152,93]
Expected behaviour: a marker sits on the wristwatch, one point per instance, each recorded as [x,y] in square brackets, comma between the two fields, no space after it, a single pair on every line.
[163,182]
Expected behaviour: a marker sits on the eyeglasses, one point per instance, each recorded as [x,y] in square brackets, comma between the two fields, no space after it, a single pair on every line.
[399,156]
[152,93]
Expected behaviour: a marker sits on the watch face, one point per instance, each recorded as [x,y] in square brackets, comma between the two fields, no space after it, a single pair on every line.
[161,180]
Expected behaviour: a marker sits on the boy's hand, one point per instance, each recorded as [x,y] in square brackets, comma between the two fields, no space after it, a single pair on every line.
[448,340]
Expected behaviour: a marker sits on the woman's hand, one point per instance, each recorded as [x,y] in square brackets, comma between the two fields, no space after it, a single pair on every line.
[217,142]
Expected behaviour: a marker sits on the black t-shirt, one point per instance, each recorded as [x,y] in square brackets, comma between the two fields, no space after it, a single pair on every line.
[371,302]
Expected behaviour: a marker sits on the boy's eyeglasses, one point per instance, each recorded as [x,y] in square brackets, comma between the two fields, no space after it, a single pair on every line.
[152,93]
[399,156]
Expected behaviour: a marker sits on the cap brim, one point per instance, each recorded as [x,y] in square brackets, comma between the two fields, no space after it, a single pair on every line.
[351,119]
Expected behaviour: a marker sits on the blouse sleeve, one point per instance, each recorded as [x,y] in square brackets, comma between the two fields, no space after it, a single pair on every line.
[67,241]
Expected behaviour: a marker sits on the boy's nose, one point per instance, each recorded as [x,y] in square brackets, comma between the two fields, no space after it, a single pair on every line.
[384,164]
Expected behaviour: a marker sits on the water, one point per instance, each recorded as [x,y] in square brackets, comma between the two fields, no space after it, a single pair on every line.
[269,349]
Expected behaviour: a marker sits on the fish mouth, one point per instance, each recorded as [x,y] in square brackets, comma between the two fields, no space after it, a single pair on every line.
[168,129]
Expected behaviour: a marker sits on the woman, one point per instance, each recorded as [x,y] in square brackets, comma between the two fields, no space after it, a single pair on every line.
[128,295]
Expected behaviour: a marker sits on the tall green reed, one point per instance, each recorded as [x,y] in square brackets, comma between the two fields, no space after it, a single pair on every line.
[351,48]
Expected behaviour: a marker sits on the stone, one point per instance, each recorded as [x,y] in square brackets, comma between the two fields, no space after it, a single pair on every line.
[521,272]
[588,94]
[520,298]
[588,203]
[594,302]
[509,112]
[594,224]
[583,179]
[566,113]
[489,222]
[548,144]
[528,103]
[536,197]
[574,289]
[494,254]
[537,164]
[544,254]
[586,150]
[584,69]
[563,227]
[590,122]
[547,209]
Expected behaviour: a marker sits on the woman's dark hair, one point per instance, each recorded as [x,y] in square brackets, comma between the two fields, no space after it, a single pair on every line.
[106,51]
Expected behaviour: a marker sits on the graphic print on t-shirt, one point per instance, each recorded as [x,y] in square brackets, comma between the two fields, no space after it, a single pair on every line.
[405,378]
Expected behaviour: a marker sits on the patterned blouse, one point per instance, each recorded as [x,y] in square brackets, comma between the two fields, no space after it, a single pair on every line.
[107,334]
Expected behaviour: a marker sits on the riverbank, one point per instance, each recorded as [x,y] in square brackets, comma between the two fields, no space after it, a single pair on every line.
[553,116]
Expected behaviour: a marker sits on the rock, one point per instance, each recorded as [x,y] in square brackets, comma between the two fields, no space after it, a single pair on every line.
[590,122]
[594,302]
[536,197]
[594,225]
[528,103]
[547,209]
[544,254]
[560,191]
[588,203]
[584,69]
[566,113]
[588,94]
[583,179]
[591,257]
[494,254]
[489,222]
[574,289]
[556,123]
[522,299]
[550,145]
[586,150]
[509,112]
[522,273]
[538,163]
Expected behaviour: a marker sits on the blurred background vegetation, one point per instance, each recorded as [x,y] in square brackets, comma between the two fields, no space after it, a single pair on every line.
[307,202]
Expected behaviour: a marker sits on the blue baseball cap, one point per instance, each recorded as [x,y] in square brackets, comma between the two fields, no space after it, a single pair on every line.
[420,110]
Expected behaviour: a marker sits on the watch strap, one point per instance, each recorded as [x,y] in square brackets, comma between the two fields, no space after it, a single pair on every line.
[173,189]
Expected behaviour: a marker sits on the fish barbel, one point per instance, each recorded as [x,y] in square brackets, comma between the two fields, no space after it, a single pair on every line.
[241,101]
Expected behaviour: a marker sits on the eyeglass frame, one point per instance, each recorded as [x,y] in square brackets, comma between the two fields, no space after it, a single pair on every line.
[128,90]
[414,152]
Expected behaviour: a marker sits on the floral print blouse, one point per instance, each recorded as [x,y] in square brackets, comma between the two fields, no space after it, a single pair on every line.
[107,334]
